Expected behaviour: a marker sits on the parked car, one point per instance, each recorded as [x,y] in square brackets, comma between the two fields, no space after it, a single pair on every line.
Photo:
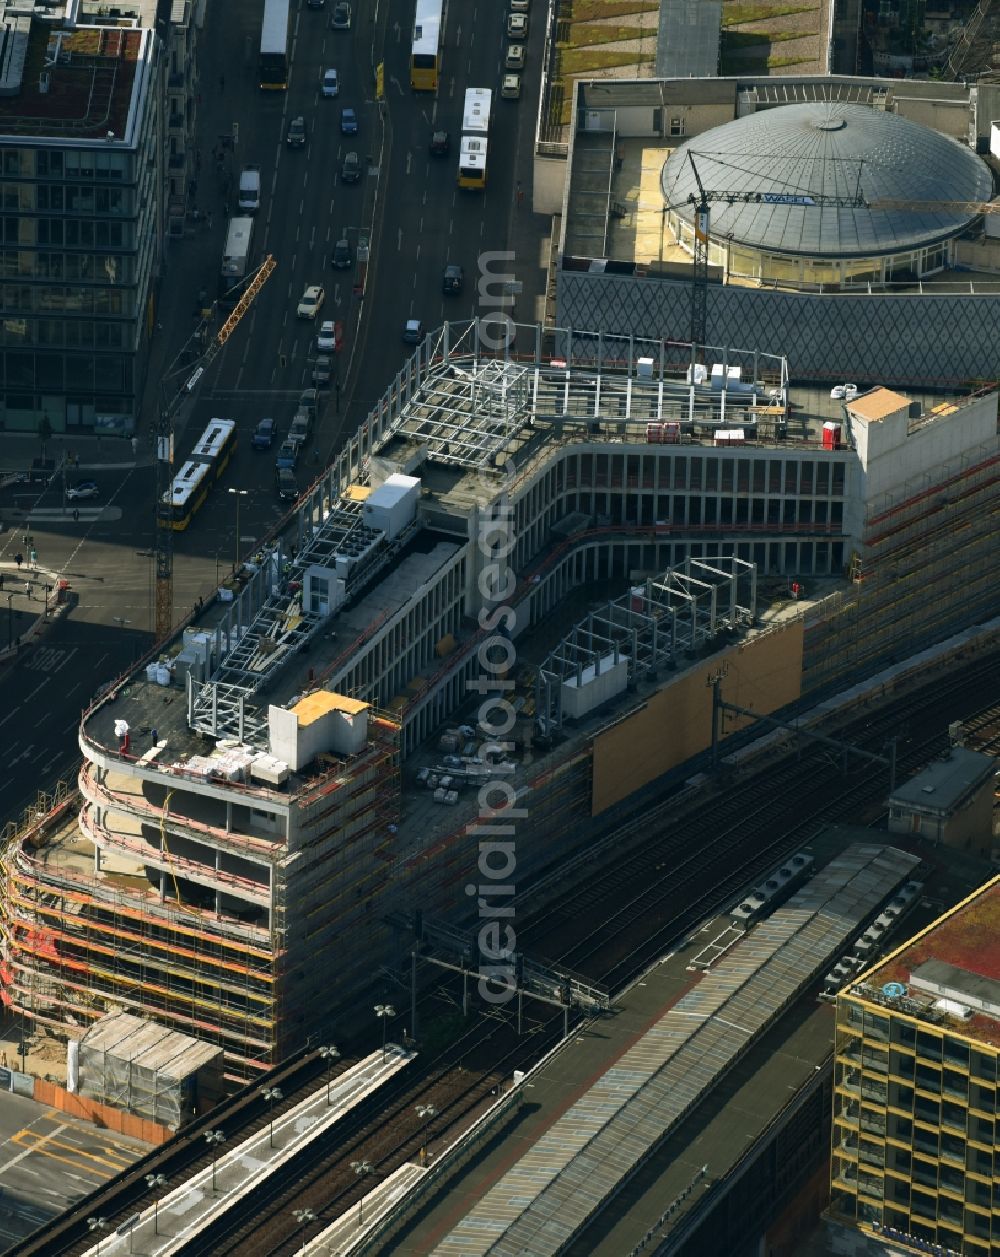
[326,337]
[331,83]
[288,455]
[350,171]
[348,122]
[440,145]
[264,434]
[517,25]
[340,19]
[296,137]
[288,490]
[510,88]
[322,369]
[515,57]
[453,279]
[82,492]
[342,254]
[311,302]
[413,331]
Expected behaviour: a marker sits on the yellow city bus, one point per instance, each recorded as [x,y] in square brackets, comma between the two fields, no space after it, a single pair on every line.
[428,37]
[475,138]
[191,485]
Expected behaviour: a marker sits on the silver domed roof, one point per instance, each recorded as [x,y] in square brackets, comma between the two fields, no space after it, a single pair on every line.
[827,149]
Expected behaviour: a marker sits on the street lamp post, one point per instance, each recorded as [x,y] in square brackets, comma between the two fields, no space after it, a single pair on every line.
[240,493]
[271,1094]
[98,1225]
[329,1054]
[383,1012]
[154,1182]
[303,1217]
[10,621]
[361,1168]
[425,1112]
[213,1138]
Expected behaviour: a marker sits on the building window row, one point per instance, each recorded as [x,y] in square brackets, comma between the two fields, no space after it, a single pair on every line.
[31,163]
[30,198]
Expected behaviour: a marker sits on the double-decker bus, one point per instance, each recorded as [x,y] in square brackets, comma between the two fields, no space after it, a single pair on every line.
[428,37]
[274,46]
[474,149]
[190,486]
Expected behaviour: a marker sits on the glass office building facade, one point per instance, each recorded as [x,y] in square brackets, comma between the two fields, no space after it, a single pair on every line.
[80,231]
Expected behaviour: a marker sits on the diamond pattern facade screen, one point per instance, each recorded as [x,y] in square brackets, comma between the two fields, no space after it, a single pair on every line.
[913,339]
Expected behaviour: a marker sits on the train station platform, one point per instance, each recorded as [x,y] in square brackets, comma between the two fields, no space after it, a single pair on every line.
[171,1223]
[657,1104]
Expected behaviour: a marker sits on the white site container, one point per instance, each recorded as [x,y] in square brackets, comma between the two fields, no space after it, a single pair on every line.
[393,505]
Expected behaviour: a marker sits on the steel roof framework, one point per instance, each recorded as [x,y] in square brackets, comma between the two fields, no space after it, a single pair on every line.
[651,626]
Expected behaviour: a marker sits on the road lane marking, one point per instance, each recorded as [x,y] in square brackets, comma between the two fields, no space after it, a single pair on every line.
[28,1151]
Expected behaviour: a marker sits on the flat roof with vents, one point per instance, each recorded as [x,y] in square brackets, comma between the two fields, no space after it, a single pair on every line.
[61,84]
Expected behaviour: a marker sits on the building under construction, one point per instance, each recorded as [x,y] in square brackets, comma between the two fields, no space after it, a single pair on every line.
[241,837]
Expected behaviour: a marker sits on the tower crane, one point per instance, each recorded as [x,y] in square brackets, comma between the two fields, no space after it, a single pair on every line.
[165,450]
[699,281]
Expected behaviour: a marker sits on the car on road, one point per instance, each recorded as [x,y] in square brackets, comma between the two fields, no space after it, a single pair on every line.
[350,171]
[510,88]
[315,4]
[517,25]
[288,455]
[326,337]
[413,331]
[440,145]
[264,434]
[844,392]
[520,6]
[296,137]
[331,83]
[81,492]
[309,401]
[340,19]
[514,59]
[311,302]
[348,122]
[322,369]
[342,254]
[453,279]
[301,428]
[288,490]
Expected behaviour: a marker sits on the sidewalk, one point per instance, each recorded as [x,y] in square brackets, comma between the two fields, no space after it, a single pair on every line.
[86,453]
[31,596]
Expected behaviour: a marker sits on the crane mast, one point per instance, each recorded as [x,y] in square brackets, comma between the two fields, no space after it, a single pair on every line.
[165,451]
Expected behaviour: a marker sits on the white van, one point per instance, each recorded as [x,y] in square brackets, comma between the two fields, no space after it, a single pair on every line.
[250,189]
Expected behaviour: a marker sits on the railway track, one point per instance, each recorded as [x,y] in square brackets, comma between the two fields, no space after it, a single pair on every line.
[647,902]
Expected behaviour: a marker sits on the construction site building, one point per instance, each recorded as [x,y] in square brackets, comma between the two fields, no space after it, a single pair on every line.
[242,836]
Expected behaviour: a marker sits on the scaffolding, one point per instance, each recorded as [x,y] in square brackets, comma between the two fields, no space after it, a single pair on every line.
[927,567]
[75,946]
[649,628]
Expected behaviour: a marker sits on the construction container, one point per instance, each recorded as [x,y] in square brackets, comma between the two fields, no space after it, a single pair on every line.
[730,437]
[831,436]
[143,1068]
[393,505]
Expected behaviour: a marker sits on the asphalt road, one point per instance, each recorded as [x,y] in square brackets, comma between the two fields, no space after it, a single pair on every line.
[48,1160]
[422,223]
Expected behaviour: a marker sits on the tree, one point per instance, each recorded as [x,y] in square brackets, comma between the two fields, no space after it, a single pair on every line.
[44,433]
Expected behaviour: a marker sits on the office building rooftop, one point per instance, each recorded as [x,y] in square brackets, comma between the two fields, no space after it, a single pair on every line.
[63,83]
[951,970]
